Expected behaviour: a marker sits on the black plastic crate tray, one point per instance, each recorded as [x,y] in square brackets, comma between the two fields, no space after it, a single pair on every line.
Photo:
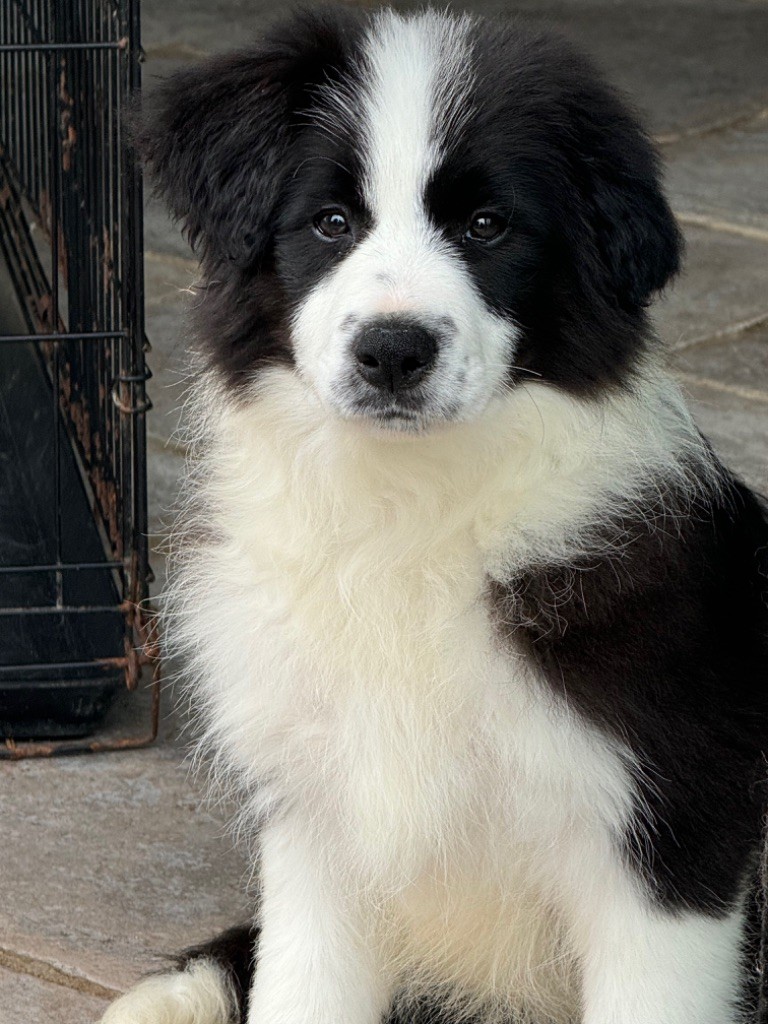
[56,673]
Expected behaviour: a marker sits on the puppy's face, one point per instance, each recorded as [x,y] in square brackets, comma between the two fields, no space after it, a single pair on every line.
[413,214]
[388,318]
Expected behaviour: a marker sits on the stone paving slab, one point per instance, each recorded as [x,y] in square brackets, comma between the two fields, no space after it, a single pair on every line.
[727,384]
[165,277]
[161,234]
[165,324]
[723,283]
[165,465]
[110,860]
[167,298]
[723,176]
[28,1000]
[740,365]
[737,427]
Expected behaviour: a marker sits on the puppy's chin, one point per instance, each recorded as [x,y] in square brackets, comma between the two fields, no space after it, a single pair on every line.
[414,421]
[393,420]
[394,424]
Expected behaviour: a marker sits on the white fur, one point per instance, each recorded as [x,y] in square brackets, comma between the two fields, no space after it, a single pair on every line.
[413,95]
[643,966]
[199,995]
[322,931]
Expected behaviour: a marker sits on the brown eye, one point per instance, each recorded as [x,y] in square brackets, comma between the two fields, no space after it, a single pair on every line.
[331,223]
[485,226]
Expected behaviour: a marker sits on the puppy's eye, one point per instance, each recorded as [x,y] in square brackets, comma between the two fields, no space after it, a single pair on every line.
[331,223]
[485,226]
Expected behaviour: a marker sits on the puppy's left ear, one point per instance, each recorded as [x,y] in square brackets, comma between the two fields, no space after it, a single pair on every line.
[638,242]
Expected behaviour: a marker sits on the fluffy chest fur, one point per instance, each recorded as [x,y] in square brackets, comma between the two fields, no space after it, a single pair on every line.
[346,659]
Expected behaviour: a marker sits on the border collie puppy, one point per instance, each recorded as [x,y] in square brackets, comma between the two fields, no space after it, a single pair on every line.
[475,621]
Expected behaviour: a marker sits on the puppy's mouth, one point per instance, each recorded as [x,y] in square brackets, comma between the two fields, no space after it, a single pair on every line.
[407,414]
[395,416]
[392,414]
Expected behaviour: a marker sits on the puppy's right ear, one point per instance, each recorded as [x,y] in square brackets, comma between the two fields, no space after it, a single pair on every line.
[216,137]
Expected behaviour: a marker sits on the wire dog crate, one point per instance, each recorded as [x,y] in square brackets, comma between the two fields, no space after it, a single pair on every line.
[74,628]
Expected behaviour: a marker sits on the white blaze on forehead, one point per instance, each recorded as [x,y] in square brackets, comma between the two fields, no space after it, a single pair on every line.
[415,95]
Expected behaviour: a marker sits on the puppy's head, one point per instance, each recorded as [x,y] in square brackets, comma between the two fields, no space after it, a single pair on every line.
[413,214]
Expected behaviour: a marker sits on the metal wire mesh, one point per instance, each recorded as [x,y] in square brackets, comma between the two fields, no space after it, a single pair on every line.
[71,238]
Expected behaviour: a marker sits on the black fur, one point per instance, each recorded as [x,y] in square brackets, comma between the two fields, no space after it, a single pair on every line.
[591,235]
[662,639]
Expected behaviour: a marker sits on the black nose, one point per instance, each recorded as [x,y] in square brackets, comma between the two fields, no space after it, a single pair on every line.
[394,357]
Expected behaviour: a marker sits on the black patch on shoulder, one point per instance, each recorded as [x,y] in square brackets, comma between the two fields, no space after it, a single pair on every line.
[663,642]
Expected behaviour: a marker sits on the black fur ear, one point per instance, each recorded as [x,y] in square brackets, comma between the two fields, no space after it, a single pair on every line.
[612,240]
[618,176]
[216,137]
[639,238]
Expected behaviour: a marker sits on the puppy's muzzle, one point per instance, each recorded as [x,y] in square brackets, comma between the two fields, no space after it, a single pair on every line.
[394,357]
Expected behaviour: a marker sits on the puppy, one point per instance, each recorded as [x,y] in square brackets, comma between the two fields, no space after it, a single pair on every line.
[475,622]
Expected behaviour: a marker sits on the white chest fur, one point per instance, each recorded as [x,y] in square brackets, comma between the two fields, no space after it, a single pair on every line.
[344,661]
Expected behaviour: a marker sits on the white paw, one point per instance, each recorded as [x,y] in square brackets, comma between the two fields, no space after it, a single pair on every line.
[201,994]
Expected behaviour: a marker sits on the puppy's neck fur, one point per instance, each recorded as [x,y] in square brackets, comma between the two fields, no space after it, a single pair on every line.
[527,481]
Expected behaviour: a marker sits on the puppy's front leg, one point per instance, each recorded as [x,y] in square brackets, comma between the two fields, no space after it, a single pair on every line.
[316,962]
[648,965]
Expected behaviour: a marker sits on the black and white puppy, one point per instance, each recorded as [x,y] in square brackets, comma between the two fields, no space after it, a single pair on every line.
[475,621]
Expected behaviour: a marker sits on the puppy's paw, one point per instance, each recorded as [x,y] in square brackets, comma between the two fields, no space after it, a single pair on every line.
[200,994]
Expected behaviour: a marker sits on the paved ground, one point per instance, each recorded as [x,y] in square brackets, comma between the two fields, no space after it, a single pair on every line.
[107,861]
